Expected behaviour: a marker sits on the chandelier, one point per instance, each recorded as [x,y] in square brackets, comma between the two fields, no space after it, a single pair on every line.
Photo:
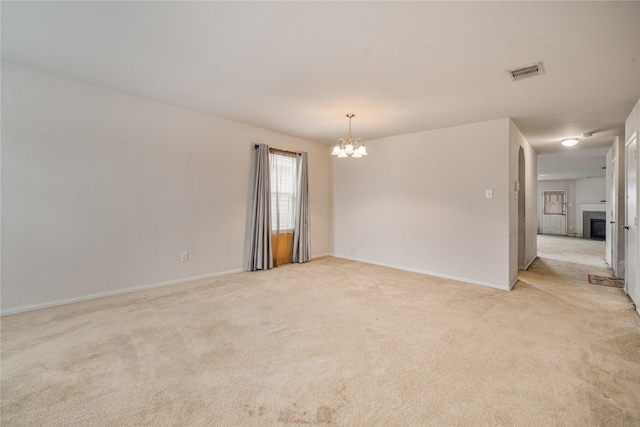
[350,147]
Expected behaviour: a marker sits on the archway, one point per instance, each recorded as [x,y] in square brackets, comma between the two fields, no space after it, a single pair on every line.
[520,187]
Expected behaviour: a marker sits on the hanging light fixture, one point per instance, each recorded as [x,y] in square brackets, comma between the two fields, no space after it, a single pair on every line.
[350,147]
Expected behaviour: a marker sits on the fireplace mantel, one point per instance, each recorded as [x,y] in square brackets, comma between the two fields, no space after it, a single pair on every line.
[593,207]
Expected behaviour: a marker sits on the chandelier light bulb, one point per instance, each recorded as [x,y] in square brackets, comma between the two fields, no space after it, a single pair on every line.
[362,150]
[348,148]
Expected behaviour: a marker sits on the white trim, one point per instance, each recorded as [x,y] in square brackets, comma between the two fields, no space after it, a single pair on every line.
[125,291]
[593,207]
[430,273]
[635,298]
[530,263]
[512,284]
[116,292]
[320,255]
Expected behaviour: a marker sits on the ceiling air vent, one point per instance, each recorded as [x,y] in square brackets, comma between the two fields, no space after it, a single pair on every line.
[523,73]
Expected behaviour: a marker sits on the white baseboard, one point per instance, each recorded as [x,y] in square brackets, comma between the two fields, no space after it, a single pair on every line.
[113,293]
[320,255]
[431,273]
[526,267]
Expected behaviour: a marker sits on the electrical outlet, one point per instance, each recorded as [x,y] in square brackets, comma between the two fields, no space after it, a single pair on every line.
[488,194]
[403,250]
[184,257]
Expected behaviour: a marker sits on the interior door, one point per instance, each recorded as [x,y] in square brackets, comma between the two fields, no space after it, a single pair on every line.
[631,219]
[554,212]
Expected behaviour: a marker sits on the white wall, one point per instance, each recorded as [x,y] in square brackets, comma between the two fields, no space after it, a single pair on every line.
[426,190]
[591,190]
[102,191]
[529,190]
[615,205]
[632,124]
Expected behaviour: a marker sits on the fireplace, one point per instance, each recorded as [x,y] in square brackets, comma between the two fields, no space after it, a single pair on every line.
[587,224]
[598,229]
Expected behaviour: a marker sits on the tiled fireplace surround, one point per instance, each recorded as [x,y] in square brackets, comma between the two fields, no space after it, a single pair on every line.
[589,211]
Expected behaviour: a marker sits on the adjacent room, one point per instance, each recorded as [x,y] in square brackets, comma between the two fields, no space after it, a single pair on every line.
[323,213]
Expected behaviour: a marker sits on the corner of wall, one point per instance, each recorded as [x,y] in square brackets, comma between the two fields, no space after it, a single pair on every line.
[517,141]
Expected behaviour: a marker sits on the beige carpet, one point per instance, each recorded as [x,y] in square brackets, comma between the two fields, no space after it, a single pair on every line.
[331,342]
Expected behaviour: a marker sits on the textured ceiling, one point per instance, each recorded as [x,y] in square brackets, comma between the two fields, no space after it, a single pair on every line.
[401,67]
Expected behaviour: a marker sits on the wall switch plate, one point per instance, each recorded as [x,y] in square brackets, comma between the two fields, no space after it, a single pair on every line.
[184,257]
[403,250]
[488,194]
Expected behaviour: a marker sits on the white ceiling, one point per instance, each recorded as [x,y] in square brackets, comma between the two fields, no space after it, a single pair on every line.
[401,67]
[573,164]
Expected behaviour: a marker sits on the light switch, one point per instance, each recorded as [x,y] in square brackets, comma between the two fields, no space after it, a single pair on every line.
[489,194]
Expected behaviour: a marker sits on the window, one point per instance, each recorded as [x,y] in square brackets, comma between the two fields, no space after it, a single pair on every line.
[553,203]
[282,167]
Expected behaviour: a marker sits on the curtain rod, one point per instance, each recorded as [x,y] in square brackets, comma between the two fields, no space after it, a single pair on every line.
[286,151]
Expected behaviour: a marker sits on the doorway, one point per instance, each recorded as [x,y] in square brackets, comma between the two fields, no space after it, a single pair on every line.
[522,220]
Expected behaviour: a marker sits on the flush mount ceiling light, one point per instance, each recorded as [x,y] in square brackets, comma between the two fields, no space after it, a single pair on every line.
[350,147]
[570,142]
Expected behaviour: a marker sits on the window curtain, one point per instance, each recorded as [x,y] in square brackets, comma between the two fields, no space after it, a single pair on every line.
[261,255]
[301,234]
[283,166]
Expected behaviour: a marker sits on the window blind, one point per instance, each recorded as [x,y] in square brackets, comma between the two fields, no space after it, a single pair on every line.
[282,167]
